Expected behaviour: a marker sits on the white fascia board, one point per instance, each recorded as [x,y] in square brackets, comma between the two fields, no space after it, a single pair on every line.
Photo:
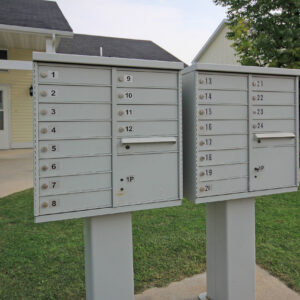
[16,65]
[210,40]
[38,31]
[106,61]
[241,69]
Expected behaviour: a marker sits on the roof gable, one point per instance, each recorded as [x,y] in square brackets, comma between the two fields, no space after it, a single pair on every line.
[114,47]
[34,14]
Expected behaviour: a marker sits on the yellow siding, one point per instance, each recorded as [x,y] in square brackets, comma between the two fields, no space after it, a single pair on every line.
[21,117]
[220,51]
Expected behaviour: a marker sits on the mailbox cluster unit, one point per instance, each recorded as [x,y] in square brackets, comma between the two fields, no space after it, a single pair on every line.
[107,135]
[240,128]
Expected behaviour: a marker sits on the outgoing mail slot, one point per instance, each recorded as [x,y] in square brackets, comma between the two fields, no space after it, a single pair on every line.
[273,125]
[68,130]
[276,83]
[209,112]
[224,82]
[73,166]
[276,139]
[146,96]
[149,112]
[273,112]
[74,184]
[222,97]
[75,202]
[74,112]
[210,142]
[74,148]
[74,75]
[162,128]
[147,145]
[222,172]
[222,127]
[269,98]
[147,178]
[130,78]
[273,168]
[71,94]
[222,157]
[222,187]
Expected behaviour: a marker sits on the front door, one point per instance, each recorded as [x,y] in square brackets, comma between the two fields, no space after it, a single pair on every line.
[4,118]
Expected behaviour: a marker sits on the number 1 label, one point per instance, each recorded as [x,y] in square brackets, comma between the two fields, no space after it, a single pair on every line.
[53,74]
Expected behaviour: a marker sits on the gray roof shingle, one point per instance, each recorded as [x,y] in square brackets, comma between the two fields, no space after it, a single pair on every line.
[33,13]
[114,47]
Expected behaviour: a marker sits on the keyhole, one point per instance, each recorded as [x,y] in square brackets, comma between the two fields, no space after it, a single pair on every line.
[121,189]
[127,147]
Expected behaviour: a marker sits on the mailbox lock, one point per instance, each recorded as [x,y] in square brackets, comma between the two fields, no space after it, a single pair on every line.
[201,112]
[127,147]
[43,112]
[44,149]
[254,83]
[121,189]
[202,143]
[44,204]
[43,93]
[202,158]
[254,112]
[202,189]
[259,168]
[44,74]
[201,127]
[201,81]
[121,78]
[44,186]
[202,174]
[44,168]
[121,96]
[121,113]
[121,129]
[254,126]
[201,96]
[254,98]
[44,130]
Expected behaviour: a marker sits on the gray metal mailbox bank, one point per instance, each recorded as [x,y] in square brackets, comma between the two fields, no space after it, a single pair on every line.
[240,133]
[107,135]
[107,141]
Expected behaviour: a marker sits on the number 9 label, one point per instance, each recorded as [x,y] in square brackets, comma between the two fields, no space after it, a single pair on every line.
[128,78]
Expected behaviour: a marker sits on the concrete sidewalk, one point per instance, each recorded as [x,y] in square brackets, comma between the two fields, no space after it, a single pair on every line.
[267,288]
[16,167]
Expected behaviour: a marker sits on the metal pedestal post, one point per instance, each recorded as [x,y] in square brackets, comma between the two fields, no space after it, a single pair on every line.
[230,250]
[108,257]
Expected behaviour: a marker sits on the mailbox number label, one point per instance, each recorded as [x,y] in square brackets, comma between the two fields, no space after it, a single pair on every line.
[259,83]
[53,184]
[260,97]
[128,95]
[129,128]
[53,148]
[260,111]
[208,96]
[52,74]
[208,126]
[208,142]
[260,125]
[208,156]
[53,93]
[208,172]
[208,188]
[129,112]
[208,80]
[128,78]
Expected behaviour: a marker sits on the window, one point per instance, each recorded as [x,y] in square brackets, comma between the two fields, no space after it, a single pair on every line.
[3,54]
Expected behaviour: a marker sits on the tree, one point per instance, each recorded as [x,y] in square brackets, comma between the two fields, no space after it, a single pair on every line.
[264,32]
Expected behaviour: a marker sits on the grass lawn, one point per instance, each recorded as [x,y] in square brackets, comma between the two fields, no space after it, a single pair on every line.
[46,261]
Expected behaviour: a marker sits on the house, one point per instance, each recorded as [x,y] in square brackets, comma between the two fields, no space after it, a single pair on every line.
[38,25]
[217,49]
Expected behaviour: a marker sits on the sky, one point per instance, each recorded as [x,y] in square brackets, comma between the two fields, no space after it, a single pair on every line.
[180,27]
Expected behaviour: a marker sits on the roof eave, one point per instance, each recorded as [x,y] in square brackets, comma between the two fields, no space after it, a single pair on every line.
[38,31]
[210,40]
